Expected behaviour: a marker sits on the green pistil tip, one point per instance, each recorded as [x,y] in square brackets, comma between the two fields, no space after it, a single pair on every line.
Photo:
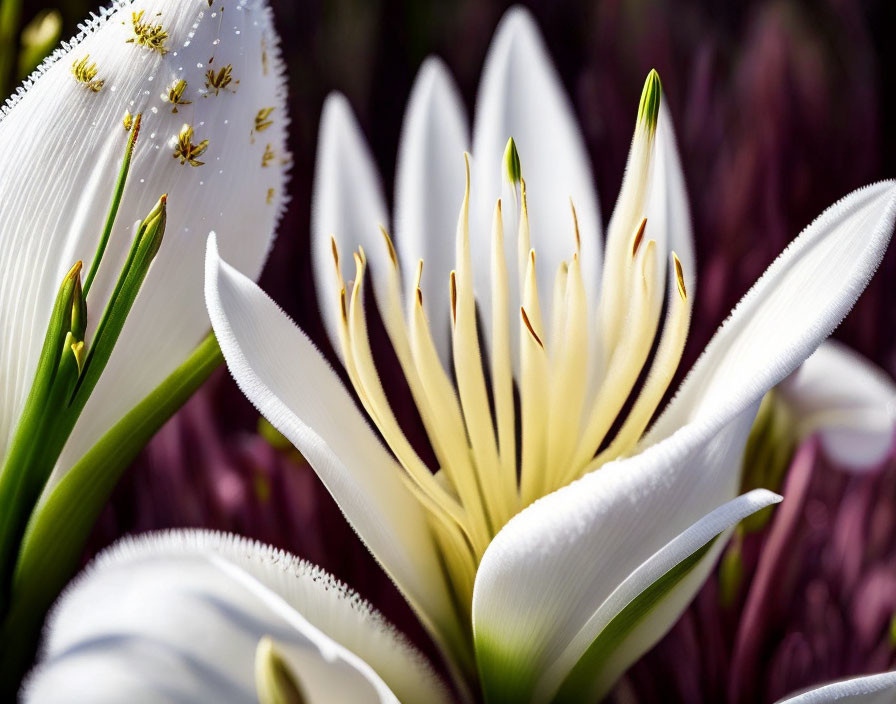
[512,162]
[649,109]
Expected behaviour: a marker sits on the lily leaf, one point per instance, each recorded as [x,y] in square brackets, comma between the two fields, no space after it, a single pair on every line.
[62,522]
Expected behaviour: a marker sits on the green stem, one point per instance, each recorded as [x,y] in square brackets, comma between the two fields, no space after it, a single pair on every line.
[60,525]
[113,206]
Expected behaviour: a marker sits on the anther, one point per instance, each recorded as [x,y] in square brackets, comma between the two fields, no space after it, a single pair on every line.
[639,236]
[679,275]
[530,328]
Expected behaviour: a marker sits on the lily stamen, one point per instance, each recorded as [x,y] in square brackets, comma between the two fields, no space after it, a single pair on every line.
[487,474]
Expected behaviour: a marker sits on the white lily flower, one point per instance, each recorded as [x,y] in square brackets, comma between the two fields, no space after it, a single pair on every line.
[552,575]
[196,616]
[208,81]
[849,402]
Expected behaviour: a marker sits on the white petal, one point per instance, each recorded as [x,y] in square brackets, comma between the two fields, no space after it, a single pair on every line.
[872,689]
[849,401]
[668,212]
[789,311]
[553,566]
[429,188]
[61,146]
[347,203]
[284,375]
[177,616]
[521,96]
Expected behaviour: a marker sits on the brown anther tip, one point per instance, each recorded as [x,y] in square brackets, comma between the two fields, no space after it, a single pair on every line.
[452,279]
[342,304]
[679,275]
[419,274]
[498,206]
[575,224]
[639,236]
[335,250]
[530,328]
[419,297]
[135,128]
[392,255]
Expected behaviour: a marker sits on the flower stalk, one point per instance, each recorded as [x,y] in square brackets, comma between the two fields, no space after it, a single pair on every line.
[67,373]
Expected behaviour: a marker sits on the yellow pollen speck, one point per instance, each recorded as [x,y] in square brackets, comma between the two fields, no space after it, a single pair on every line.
[149,35]
[85,73]
[128,121]
[270,196]
[175,95]
[262,119]
[267,157]
[216,82]
[186,151]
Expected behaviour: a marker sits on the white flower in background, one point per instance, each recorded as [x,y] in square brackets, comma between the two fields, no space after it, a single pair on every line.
[553,576]
[847,401]
[207,80]
[193,616]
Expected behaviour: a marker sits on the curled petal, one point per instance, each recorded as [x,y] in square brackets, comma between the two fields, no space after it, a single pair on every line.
[179,616]
[291,384]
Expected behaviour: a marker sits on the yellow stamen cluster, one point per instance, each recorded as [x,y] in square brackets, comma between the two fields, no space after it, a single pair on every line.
[185,150]
[175,95]
[216,82]
[574,387]
[262,119]
[85,72]
[152,36]
[268,156]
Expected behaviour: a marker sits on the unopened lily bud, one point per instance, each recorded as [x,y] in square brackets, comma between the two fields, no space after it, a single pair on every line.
[212,67]
[79,310]
[152,229]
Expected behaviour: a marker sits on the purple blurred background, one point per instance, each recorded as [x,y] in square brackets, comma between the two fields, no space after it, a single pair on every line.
[781,107]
